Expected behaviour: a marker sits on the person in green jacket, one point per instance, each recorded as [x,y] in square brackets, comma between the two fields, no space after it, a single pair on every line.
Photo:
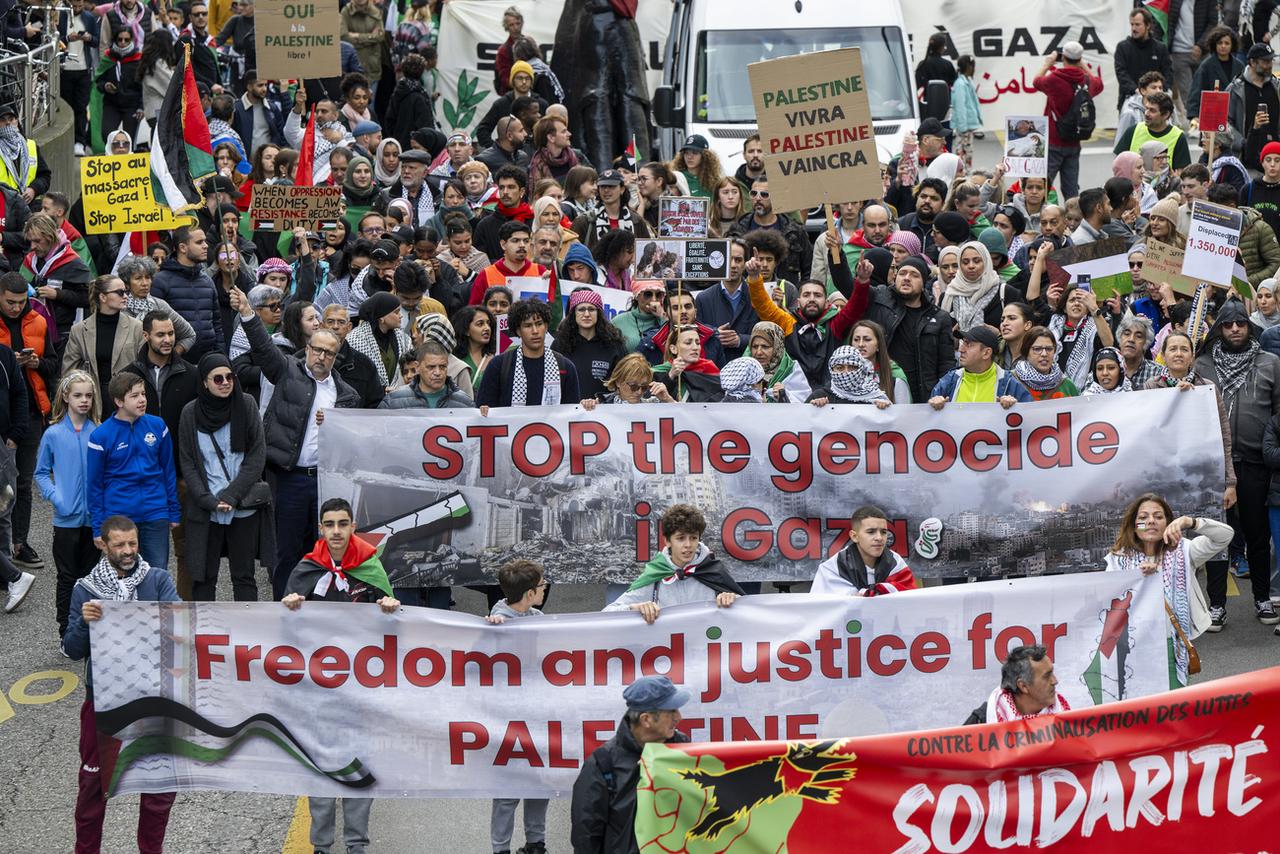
[645,312]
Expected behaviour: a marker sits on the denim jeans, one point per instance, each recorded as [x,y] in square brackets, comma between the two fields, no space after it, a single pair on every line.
[153,543]
[1274,516]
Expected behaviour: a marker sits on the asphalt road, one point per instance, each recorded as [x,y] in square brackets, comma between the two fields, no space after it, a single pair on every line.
[41,693]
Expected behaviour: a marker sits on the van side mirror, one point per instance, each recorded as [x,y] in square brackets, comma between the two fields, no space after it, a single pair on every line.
[664,107]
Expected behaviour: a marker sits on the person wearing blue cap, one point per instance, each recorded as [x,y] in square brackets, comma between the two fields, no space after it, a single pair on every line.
[604,795]
[367,135]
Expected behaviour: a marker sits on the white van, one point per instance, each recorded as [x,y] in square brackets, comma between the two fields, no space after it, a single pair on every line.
[706,89]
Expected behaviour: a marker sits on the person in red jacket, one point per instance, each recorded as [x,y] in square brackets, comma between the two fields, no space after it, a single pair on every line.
[1059,86]
[513,23]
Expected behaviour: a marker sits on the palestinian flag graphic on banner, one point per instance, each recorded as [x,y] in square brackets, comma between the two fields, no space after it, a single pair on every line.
[452,506]
[181,152]
[1104,264]
[1105,675]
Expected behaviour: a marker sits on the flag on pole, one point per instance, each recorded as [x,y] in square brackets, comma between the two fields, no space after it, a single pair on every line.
[304,177]
[181,153]
[1159,10]
[1240,279]
[632,162]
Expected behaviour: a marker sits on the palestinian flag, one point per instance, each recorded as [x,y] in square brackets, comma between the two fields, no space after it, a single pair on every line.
[76,239]
[304,175]
[1240,279]
[1105,675]
[555,298]
[181,153]
[632,162]
[1103,263]
[1159,10]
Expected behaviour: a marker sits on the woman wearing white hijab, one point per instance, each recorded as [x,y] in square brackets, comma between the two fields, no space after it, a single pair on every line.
[946,166]
[971,297]
[384,174]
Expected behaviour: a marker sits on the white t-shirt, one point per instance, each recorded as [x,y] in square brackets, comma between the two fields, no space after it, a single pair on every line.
[326,397]
[1184,31]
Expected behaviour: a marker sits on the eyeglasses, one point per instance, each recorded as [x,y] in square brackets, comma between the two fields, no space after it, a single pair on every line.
[1227,324]
[759,194]
[119,143]
[652,294]
[220,379]
[371,232]
[323,353]
[636,387]
[1047,348]
[199,14]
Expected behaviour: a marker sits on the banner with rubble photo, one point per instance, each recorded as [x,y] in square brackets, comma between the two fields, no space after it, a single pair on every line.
[1148,774]
[471,33]
[338,699]
[1009,40]
[972,490]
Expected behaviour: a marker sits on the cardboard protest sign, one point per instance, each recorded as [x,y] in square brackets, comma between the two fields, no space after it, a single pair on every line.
[297,40]
[280,207]
[1026,147]
[683,216]
[682,259]
[1164,264]
[117,197]
[815,122]
[1212,243]
[1213,111]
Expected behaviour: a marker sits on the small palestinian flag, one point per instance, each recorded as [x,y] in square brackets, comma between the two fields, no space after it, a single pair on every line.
[632,163]
[181,153]
[1159,10]
[1104,264]
[1240,279]
[555,298]
[1105,675]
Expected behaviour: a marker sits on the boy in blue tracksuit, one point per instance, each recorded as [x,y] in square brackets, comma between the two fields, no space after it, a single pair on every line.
[525,589]
[62,464]
[120,576]
[131,471]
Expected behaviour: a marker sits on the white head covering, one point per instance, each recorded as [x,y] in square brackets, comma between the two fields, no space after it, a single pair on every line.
[965,299]
[944,166]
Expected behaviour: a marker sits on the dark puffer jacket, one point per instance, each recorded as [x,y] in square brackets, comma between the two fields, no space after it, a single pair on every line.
[191,293]
[931,355]
[285,422]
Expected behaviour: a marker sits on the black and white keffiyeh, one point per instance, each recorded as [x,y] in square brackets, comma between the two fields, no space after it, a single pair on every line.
[1078,363]
[861,385]
[1035,380]
[105,583]
[550,380]
[739,377]
[1233,369]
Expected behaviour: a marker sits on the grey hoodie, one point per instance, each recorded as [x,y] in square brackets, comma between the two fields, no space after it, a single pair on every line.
[502,609]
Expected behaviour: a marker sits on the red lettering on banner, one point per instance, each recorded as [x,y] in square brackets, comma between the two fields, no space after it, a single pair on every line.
[520,445]
[896,442]
[639,437]
[667,442]
[1098,443]
[488,434]
[930,652]
[596,733]
[626,665]
[812,530]
[838,453]
[329,666]
[464,736]
[802,726]
[741,730]
[580,450]
[517,744]
[673,652]
[386,656]
[575,675]
[875,655]
[802,444]
[969,450]
[1060,433]
[1014,441]
[793,661]
[738,671]
[942,439]
[1010,637]
[244,655]
[485,665]
[204,657]
[284,664]
[756,544]
[978,635]
[555,747]
[448,461]
[728,452]
[415,676]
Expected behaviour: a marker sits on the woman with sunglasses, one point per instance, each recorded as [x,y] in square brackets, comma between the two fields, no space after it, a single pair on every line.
[632,381]
[106,341]
[227,511]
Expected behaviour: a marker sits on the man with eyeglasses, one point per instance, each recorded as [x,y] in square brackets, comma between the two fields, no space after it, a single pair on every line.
[762,215]
[304,387]
[354,367]
[646,312]
[1248,378]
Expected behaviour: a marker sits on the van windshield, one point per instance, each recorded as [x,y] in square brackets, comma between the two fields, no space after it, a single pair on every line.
[724,90]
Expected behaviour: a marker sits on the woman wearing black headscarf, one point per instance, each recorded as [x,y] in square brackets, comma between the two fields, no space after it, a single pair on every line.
[380,338]
[228,506]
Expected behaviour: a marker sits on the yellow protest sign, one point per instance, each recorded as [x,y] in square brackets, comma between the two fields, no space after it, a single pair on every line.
[116,191]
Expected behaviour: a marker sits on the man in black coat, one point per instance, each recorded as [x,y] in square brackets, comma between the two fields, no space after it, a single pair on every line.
[918,332]
[1139,53]
[603,809]
[354,367]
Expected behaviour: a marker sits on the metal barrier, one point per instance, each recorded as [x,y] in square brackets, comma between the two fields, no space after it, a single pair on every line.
[31,80]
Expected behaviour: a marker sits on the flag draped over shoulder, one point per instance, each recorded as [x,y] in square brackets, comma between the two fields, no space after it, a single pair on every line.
[181,152]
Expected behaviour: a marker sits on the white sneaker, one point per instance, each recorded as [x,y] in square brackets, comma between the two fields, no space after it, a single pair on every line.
[18,591]
[80,152]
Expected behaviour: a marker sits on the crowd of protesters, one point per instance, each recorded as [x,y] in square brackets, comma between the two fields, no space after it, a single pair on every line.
[168,399]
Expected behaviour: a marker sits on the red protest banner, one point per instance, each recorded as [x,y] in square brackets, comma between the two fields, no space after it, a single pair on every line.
[1213,111]
[1157,772]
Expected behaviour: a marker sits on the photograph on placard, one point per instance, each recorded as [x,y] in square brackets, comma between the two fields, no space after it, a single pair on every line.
[659,259]
[1026,146]
[683,216]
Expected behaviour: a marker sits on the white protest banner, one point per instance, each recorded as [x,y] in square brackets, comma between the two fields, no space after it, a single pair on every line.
[1009,39]
[1026,147]
[1212,243]
[1024,491]
[683,216]
[342,700]
[470,35]
[815,123]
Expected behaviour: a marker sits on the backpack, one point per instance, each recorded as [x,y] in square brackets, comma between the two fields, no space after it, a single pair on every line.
[1078,122]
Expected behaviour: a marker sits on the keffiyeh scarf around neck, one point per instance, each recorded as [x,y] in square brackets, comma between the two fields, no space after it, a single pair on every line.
[13,150]
[1233,369]
[1082,351]
[861,385]
[104,583]
[426,204]
[1094,387]
[1001,707]
[1035,380]
[550,380]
